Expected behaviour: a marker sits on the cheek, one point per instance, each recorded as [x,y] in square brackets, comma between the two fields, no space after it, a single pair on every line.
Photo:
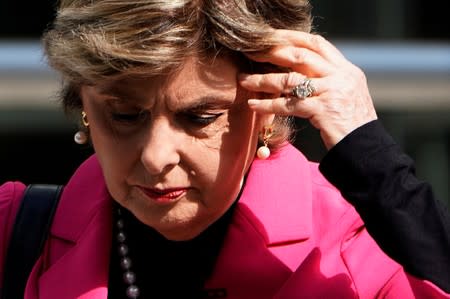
[117,159]
[224,156]
[214,135]
[232,135]
[107,143]
[241,129]
[110,155]
[238,144]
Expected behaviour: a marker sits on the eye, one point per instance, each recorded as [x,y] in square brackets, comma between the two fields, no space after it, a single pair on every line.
[129,118]
[202,119]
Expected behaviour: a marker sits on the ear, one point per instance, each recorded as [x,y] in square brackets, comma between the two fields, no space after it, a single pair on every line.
[266,119]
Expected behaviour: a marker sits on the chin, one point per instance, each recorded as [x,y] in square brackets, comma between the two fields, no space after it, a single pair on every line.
[182,232]
[182,225]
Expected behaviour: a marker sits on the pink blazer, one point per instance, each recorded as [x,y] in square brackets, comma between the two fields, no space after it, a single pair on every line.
[292,236]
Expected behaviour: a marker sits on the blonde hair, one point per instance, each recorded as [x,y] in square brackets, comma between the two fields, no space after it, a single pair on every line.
[95,40]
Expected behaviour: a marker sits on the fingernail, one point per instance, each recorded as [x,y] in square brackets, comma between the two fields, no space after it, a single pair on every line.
[253,102]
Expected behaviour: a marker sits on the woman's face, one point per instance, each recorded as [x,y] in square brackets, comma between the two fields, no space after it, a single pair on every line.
[174,150]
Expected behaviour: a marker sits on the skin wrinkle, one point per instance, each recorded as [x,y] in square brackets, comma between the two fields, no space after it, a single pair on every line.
[164,151]
[94,43]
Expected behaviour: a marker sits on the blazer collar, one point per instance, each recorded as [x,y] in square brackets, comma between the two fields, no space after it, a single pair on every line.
[81,234]
[84,194]
[278,192]
[276,199]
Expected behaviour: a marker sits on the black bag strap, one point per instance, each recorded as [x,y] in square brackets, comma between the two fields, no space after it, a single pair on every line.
[28,237]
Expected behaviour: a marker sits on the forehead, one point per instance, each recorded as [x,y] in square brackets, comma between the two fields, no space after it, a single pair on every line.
[193,77]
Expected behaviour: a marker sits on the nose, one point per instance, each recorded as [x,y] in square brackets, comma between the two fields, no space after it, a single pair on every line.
[160,152]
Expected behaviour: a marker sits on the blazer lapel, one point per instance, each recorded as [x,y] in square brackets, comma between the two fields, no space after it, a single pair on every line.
[278,195]
[75,262]
[274,210]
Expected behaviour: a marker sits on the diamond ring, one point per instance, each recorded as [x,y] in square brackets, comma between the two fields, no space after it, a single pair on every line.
[304,89]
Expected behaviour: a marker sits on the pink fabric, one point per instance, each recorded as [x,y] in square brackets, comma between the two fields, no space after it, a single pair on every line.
[10,194]
[292,236]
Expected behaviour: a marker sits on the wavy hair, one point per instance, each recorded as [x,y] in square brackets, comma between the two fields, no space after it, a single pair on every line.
[94,40]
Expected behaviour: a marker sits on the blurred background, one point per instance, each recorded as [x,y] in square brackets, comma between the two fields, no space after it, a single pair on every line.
[403,47]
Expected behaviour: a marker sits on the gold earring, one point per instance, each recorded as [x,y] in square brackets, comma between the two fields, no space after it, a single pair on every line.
[84,119]
[263,151]
[81,137]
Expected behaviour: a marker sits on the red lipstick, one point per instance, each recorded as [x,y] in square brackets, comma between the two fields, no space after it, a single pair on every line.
[164,196]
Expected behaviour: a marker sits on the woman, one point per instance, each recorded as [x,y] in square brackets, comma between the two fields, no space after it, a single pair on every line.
[194,190]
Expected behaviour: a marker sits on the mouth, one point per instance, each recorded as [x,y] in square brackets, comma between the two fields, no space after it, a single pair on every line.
[164,196]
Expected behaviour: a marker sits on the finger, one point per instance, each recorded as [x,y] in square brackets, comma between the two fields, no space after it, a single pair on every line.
[310,41]
[278,83]
[304,108]
[298,59]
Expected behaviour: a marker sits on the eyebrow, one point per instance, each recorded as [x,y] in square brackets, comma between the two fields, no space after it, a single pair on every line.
[209,102]
[201,103]
[118,95]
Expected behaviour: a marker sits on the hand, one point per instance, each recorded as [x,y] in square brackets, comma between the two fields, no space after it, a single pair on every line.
[340,102]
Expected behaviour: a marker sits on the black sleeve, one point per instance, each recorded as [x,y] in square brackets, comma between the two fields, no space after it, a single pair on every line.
[400,211]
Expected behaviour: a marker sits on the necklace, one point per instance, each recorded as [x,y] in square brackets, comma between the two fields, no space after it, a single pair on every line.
[129,277]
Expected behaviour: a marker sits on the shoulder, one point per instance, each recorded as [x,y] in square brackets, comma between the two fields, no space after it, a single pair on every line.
[288,184]
[11,190]
[336,227]
[332,211]
[10,197]
[303,182]
[336,220]
[358,250]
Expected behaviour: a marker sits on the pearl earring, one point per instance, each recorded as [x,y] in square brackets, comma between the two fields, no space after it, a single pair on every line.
[263,151]
[81,137]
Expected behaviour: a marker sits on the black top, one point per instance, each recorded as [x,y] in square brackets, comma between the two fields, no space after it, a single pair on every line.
[399,211]
[178,269]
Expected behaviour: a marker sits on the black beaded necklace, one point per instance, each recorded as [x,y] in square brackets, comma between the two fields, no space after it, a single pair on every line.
[144,264]
[129,277]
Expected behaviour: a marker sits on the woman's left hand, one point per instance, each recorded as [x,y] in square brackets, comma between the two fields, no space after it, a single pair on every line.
[340,101]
